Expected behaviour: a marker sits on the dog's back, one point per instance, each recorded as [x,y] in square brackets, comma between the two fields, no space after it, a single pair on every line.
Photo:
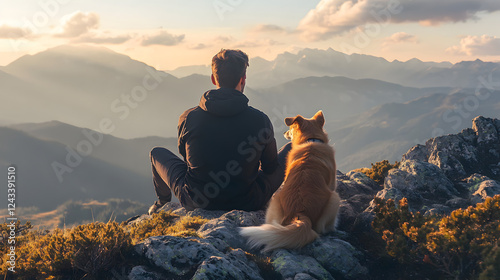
[308,179]
[307,203]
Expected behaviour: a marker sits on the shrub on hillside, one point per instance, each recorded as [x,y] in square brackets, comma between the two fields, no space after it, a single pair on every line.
[456,245]
[379,170]
[166,223]
[86,250]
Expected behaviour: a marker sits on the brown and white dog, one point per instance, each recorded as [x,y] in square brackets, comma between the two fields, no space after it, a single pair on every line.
[306,204]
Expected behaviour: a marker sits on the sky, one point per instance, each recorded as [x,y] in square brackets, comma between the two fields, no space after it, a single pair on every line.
[167,34]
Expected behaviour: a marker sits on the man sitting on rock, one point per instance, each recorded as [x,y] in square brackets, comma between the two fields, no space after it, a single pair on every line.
[229,150]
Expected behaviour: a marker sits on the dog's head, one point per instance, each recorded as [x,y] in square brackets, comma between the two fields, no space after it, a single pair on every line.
[302,130]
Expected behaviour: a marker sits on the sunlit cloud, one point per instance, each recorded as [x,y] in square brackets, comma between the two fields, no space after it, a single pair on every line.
[255,43]
[333,17]
[162,38]
[199,46]
[102,39]
[477,45]
[78,23]
[268,28]
[12,32]
[401,37]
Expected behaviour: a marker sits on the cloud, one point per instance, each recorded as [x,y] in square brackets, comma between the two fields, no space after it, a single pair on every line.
[401,37]
[268,28]
[78,23]
[11,32]
[163,38]
[333,17]
[255,43]
[223,39]
[477,45]
[199,46]
[103,39]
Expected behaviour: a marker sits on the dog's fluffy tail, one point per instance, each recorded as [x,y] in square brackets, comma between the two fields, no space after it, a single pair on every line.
[295,235]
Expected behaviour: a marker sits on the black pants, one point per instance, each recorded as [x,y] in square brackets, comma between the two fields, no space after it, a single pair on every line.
[169,172]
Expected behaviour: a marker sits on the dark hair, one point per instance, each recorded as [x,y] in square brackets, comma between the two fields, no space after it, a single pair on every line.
[229,66]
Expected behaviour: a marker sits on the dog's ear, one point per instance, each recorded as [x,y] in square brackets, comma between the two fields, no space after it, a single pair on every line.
[298,119]
[320,118]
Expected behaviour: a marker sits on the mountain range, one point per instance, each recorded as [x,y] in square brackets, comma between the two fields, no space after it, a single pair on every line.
[313,62]
[375,110]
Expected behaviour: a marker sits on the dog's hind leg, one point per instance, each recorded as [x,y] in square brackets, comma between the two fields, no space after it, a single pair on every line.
[274,213]
[328,219]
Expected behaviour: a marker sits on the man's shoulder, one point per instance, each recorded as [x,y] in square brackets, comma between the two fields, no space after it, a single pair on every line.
[188,112]
[256,113]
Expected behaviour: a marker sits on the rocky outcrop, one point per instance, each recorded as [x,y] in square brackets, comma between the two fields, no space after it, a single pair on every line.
[220,252]
[449,172]
[475,150]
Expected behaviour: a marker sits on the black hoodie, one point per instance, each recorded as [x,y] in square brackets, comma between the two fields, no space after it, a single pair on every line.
[224,142]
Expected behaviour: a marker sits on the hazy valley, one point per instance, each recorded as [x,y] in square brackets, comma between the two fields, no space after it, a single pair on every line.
[57,99]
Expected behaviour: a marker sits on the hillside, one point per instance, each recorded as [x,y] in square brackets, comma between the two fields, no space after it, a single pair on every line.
[130,154]
[83,85]
[100,175]
[452,197]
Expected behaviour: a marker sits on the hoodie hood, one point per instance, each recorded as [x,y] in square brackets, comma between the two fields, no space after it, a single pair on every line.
[224,102]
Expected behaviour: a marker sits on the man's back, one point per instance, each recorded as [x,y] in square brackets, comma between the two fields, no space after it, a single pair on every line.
[223,141]
[230,156]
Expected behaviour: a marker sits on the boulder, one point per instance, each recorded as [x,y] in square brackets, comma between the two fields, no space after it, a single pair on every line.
[223,231]
[474,150]
[488,188]
[420,182]
[337,256]
[179,256]
[293,266]
[144,273]
[230,267]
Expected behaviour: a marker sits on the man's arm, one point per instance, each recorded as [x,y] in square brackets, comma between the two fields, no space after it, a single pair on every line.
[269,158]
[181,133]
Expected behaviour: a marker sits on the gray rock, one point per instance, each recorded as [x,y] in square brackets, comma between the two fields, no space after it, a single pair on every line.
[172,206]
[221,268]
[420,182]
[357,190]
[418,152]
[223,232]
[365,183]
[458,202]
[303,276]
[485,129]
[290,265]
[337,256]
[488,188]
[206,214]
[459,155]
[142,273]
[176,255]
[452,154]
